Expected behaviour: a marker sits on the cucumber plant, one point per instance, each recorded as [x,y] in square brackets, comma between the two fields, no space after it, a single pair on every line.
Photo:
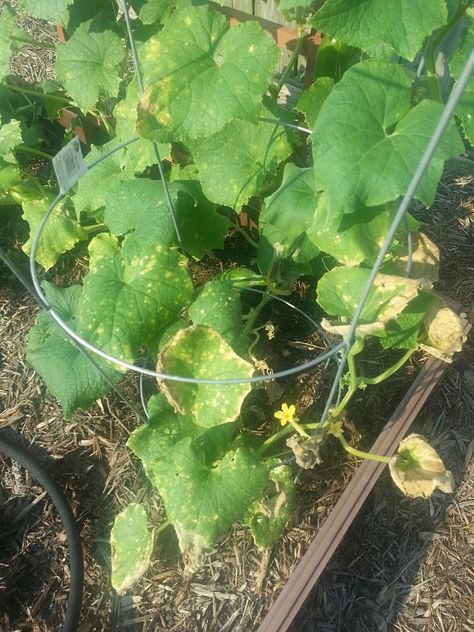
[209,104]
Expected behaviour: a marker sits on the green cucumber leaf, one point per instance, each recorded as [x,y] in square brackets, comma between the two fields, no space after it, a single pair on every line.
[88,65]
[8,45]
[9,176]
[201,226]
[132,545]
[311,100]
[461,55]
[465,109]
[128,300]
[268,515]
[140,205]
[403,332]
[287,5]
[61,233]
[201,352]
[69,375]
[335,57]
[377,27]
[93,186]
[156,11]
[234,163]
[286,217]
[202,501]
[55,11]
[153,442]
[218,307]
[367,142]
[201,74]
[139,154]
[352,238]
[339,291]
[10,137]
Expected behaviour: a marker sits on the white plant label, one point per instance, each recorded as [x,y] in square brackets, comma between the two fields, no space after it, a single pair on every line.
[69,165]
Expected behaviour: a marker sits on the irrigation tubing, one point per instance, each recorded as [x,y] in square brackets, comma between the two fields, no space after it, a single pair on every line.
[76,564]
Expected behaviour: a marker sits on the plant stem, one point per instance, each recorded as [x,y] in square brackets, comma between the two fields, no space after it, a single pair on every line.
[37,93]
[94,228]
[99,114]
[390,371]
[29,40]
[435,42]
[254,313]
[164,525]
[35,152]
[291,62]
[281,434]
[246,236]
[369,456]
[356,348]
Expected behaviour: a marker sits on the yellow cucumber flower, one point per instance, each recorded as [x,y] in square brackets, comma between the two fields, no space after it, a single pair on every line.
[286,414]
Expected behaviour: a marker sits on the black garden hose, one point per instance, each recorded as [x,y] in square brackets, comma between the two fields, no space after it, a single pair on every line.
[76,565]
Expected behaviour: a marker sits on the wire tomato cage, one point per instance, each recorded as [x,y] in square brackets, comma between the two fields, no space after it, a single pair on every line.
[337,353]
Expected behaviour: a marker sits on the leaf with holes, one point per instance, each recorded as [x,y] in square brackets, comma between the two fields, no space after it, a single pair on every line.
[376,26]
[202,353]
[200,74]
[61,232]
[128,300]
[132,545]
[88,65]
[367,142]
